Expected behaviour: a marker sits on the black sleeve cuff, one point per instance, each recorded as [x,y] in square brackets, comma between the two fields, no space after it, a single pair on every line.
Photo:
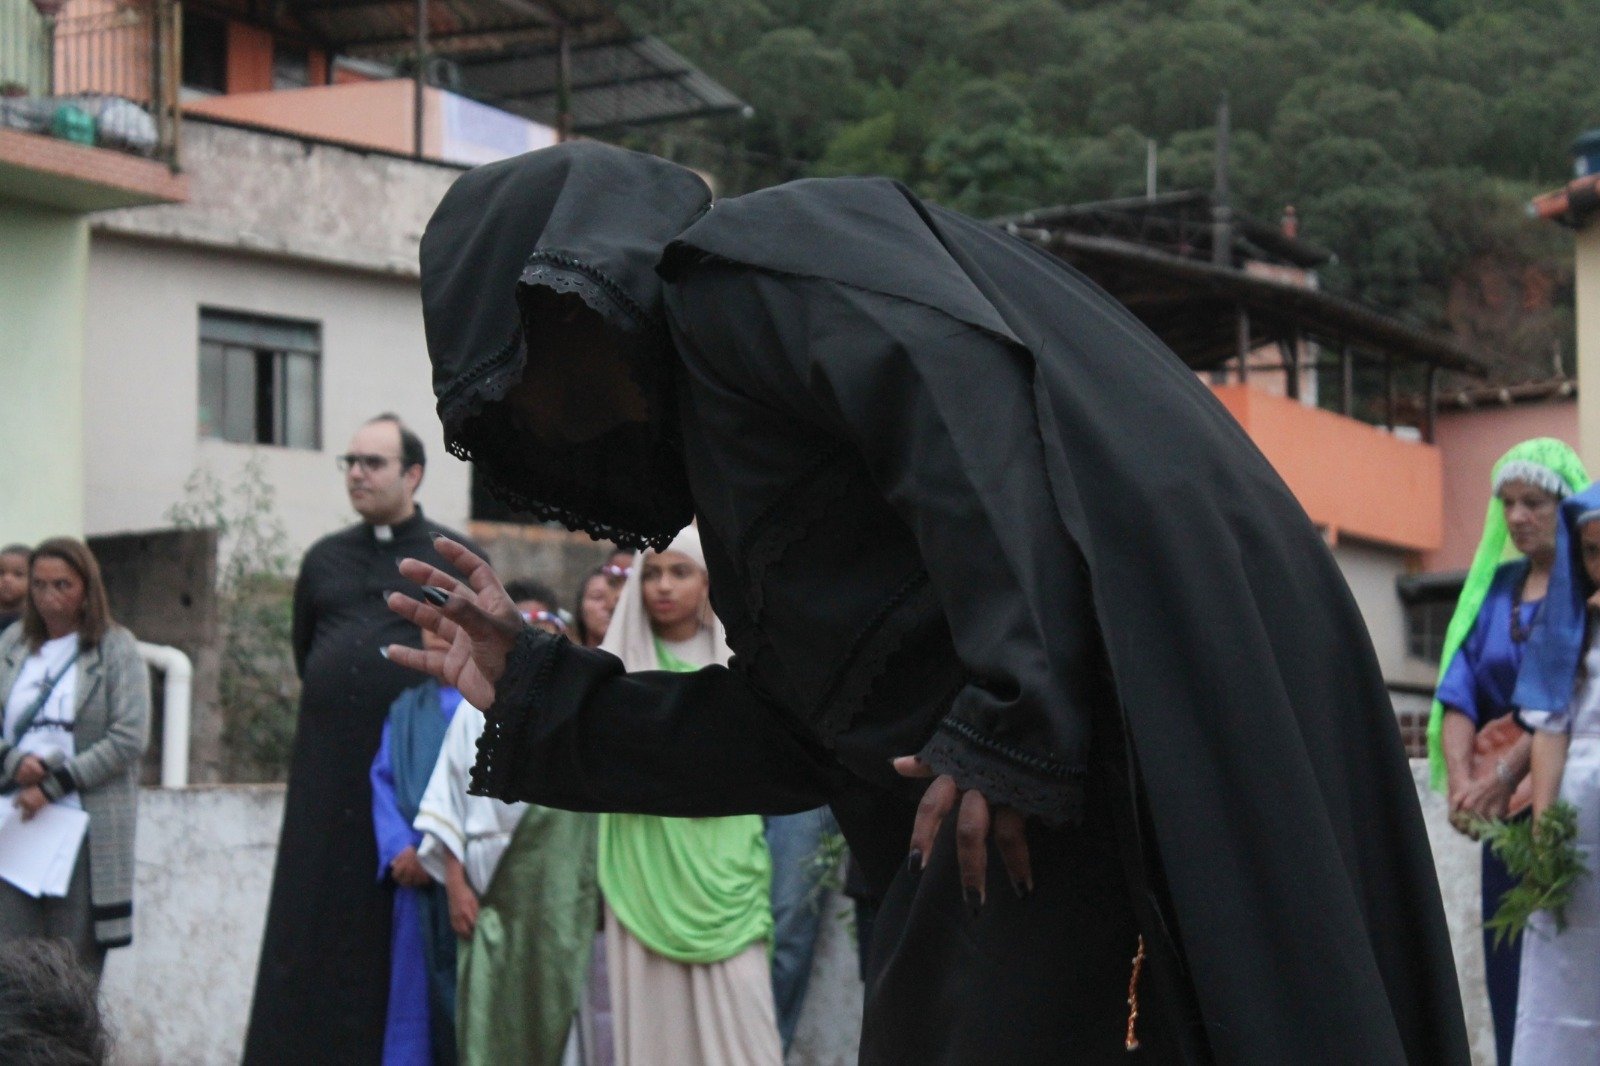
[1048,788]
[528,667]
[58,783]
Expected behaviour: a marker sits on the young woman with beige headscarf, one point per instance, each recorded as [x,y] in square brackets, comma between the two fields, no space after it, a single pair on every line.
[687,912]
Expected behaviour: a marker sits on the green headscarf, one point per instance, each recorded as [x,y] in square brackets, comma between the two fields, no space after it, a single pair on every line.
[1542,461]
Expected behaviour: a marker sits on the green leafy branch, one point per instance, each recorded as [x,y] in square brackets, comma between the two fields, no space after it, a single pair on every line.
[1545,859]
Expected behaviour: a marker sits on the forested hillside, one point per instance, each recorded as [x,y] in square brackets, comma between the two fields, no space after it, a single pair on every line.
[1408,134]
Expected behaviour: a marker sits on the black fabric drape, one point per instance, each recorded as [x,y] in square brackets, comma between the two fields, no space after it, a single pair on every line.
[322,985]
[956,500]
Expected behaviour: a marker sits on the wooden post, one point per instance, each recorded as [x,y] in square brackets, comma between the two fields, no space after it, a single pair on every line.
[1291,367]
[419,86]
[563,85]
[1221,205]
[1347,374]
[1388,392]
[1430,425]
[1242,352]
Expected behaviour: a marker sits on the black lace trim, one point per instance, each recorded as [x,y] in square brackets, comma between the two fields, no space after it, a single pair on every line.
[874,645]
[528,667]
[489,379]
[1048,788]
[768,540]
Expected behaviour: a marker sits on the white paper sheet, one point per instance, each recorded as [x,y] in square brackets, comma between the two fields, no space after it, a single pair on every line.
[38,855]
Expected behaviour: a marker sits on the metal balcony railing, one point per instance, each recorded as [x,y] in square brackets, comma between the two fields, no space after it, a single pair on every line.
[96,72]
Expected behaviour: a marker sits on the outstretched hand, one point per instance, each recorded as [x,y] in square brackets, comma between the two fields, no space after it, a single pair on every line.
[976,821]
[475,617]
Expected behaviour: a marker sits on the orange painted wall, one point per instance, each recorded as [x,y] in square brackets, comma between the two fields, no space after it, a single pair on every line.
[1355,479]
[1471,442]
[373,114]
[249,59]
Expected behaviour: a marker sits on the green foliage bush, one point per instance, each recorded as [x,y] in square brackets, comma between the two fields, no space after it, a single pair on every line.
[1409,134]
[259,688]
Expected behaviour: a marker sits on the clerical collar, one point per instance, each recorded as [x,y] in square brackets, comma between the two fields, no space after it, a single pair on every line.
[386,534]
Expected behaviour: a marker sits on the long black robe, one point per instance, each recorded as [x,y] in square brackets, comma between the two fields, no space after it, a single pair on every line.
[323,982]
[956,501]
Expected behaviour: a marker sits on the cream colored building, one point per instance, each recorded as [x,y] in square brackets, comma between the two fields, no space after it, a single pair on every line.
[268,316]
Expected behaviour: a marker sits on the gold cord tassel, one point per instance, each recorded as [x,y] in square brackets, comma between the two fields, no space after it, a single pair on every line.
[1132,1041]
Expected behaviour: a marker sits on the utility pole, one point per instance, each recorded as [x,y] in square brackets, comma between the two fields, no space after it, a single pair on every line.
[1221,204]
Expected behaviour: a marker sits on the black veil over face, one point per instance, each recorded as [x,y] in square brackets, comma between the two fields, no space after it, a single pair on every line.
[582,219]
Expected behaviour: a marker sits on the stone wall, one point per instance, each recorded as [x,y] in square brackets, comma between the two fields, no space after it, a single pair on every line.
[555,557]
[181,993]
[275,194]
[162,586]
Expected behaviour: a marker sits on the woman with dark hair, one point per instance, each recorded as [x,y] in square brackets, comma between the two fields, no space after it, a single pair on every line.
[597,599]
[77,708]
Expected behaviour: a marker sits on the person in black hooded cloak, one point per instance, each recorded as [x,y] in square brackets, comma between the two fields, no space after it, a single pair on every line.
[956,504]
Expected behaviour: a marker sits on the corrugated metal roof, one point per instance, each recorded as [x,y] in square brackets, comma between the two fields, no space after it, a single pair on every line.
[1191,305]
[630,82]
[506,52]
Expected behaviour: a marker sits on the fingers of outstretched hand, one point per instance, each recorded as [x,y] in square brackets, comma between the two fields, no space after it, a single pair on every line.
[427,574]
[457,608]
[972,847]
[1011,839]
[479,574]
[911,766]
[424,615]
[935,804]
[431,663]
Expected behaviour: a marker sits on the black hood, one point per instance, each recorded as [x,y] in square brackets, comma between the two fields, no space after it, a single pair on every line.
[581,218]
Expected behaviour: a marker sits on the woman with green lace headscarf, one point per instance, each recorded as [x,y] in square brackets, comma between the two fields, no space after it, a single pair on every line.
[1499,607]
[688,913]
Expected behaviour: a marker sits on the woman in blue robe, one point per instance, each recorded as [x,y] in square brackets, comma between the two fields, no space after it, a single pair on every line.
[1500,605]
[420,1026]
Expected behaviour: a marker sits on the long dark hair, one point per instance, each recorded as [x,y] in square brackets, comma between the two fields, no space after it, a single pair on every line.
[96,619]
[580,628]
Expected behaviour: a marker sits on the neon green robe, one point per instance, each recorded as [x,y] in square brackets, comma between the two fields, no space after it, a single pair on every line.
[694,890]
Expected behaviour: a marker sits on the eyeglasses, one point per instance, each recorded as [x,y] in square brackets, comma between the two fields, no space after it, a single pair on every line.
[370,463]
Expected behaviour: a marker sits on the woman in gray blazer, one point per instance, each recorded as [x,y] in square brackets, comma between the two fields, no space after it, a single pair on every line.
[76,699]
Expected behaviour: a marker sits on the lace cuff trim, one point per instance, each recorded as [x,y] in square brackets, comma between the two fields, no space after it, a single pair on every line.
[528,669]
[1007,776]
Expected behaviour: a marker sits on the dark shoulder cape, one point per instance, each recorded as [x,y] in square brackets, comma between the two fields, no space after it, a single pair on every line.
[1285,814]
[322,986]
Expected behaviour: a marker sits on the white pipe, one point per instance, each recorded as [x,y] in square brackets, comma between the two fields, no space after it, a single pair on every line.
[177,674]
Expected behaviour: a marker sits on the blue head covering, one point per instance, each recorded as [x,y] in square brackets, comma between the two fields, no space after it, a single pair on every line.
[1555,648]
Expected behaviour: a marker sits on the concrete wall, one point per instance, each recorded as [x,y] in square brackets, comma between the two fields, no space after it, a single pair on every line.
[163,586]
[141,394]
[556,557]
[1470,442]
[1587,299]
[42,267]
[181,993]
[1370,570]
[278,195]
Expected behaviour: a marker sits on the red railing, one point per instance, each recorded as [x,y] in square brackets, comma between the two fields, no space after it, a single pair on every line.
[97,72]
